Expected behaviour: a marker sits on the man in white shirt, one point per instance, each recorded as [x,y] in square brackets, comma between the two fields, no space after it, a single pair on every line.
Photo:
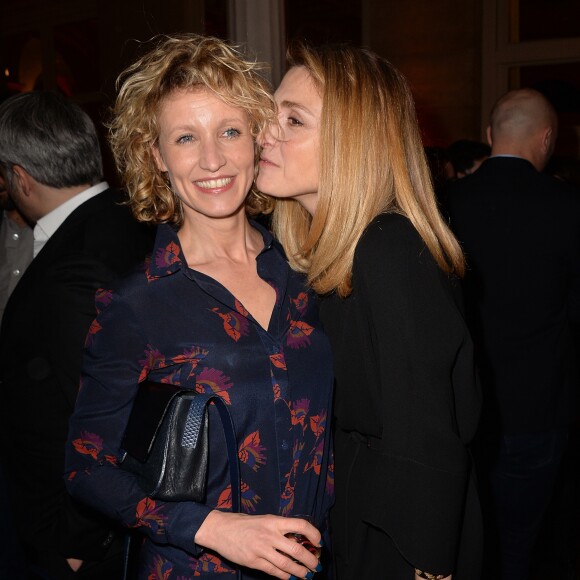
[83,238]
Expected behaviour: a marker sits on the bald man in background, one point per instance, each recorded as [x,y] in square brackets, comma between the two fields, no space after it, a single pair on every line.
[520,230]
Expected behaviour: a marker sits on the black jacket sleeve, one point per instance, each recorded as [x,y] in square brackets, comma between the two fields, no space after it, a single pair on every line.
[429,394]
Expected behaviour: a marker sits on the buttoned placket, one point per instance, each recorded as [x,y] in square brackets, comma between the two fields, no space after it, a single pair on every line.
[13,241]
[272,268]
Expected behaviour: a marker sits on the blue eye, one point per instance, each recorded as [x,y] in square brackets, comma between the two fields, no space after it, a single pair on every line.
[231,132]
[185,139]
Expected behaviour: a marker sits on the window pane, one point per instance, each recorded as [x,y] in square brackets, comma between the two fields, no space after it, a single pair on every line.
[542,19]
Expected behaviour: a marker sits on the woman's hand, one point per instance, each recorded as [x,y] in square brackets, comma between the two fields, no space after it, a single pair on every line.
[259,542]
[74,564]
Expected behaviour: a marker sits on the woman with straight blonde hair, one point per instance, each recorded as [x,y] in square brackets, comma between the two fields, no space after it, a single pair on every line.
[356,212]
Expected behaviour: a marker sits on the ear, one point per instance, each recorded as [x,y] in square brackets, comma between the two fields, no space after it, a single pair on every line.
[158,158]
[488,135]
[548,141]
[24,179]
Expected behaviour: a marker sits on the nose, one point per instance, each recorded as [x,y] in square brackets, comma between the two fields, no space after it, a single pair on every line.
[263,137]
[212,157]
[271,133]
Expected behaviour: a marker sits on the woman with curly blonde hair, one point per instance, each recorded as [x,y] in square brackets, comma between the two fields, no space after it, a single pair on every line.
[357,214]
[134,130]
[217,310]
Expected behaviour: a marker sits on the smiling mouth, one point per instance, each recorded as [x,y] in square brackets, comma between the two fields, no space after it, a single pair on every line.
[214,183]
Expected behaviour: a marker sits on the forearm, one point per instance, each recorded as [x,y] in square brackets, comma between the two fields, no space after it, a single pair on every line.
[117,494]
[94,478]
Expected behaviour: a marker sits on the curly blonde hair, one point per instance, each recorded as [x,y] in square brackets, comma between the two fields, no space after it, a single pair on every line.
[185,61]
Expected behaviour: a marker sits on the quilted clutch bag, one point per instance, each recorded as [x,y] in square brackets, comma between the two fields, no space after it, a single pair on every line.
[166,442]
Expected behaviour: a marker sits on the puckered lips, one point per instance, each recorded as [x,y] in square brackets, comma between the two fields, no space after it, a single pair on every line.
[264,161]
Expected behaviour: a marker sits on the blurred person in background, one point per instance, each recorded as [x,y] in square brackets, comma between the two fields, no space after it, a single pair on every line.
[83,238]
[465,156]
[520,229]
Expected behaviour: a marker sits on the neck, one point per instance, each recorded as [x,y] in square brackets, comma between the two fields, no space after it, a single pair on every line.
[54,197]
[205,240]
[530,149]
[16,217]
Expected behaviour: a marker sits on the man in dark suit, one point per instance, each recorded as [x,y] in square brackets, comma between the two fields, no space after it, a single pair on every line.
[521,233]
[83,238]
[15,255]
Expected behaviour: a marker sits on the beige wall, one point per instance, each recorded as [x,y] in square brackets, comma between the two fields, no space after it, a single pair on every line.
[437,45]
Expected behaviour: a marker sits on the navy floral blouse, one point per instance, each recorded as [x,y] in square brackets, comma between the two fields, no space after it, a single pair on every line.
[172,324]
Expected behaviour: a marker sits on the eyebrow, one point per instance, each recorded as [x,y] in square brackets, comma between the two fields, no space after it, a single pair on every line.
[223,122]
[293,105]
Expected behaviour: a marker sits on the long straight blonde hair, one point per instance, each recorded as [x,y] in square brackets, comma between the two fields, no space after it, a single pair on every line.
[372,161]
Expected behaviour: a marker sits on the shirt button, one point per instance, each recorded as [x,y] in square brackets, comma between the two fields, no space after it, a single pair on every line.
[284,445]
[16,272]
[15,236]
[108,540]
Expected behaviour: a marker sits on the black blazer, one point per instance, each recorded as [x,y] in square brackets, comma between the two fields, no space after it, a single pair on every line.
[41,343]
[521,233]
[405,376]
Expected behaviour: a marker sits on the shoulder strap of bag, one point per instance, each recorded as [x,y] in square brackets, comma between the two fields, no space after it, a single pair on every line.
[192,428]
